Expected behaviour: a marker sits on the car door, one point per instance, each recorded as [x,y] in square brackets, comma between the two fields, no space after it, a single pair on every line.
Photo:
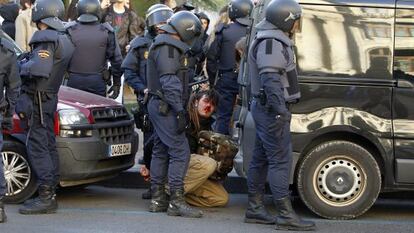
[403,96]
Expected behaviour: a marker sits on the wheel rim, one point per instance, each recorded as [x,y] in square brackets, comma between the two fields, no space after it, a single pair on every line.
[16,171]
[339,181]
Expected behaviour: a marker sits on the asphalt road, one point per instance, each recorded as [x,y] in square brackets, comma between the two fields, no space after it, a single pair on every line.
[99,209]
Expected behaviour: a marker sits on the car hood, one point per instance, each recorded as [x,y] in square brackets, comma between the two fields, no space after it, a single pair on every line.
[81,99]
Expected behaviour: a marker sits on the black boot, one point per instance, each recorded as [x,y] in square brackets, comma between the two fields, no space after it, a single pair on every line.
[178,206]
[3,216]
[288,220]
[256,211]
[159,202]
[147,194]
[45,203]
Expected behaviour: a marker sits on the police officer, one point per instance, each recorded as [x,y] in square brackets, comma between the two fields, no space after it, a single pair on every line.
[42,76]
[274,85]
[221,61]
[10,82]
[135,67]
[95,45]
[168,86]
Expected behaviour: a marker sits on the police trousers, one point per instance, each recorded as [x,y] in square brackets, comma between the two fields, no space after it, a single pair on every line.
[271,154]
[228,89]
[198,189]
[2,178]
[41,142]
[171,152]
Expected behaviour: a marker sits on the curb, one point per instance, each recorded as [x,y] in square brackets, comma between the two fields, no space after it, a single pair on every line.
[131,179]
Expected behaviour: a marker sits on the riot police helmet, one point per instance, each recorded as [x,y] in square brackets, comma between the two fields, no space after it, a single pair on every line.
[185,24]
[283,14]
[157,15]
[239,10]
[49,12]
[89,11]
[155,6]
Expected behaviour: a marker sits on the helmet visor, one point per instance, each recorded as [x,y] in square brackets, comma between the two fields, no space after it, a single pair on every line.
[158,17]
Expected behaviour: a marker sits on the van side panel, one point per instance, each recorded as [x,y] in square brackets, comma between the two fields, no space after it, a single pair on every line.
[344,57]
[365,3]
[403,108]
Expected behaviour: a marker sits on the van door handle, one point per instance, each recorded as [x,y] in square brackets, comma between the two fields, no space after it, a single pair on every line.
[404,84]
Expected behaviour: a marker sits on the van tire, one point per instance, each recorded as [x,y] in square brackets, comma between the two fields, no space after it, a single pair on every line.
[25,174]
[339,180]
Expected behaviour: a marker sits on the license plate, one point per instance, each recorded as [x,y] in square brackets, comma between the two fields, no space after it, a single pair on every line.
[120,149]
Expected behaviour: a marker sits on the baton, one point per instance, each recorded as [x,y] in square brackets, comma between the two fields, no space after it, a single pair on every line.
[39,97]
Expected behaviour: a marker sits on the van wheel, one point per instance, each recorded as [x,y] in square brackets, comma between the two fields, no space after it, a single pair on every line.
[20,180]
[339,180]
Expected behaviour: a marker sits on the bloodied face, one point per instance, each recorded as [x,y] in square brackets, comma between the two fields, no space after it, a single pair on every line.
[205,107]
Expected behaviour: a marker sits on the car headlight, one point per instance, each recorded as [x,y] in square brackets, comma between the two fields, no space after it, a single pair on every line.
[72,117]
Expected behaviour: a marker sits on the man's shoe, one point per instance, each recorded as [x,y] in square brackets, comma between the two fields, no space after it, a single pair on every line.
[256,211]
[178,206]
[159,201]
[45,203]
[288,220]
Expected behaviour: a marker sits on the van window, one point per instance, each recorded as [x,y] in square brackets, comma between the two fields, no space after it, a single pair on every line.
[404,44]
[344,41]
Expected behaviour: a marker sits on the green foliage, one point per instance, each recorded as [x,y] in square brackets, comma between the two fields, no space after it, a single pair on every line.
[141,6]
[213,5]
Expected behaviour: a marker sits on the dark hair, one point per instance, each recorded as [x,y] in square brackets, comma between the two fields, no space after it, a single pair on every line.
[211,95]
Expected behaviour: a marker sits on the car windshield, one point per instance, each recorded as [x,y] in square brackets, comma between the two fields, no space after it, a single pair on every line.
[16,48]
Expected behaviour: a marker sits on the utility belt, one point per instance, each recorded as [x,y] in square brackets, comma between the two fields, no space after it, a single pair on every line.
[261,98]
[106,75]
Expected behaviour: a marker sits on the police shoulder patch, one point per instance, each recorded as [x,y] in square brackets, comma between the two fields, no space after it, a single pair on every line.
[146,54]
[43,54]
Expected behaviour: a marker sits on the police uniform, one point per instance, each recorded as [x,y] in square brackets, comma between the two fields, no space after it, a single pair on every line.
[9,81]
[171,153]
[95,44]
[135,68]
[221,61]
[43,74]
[274,85]
[168,86]
[270,60]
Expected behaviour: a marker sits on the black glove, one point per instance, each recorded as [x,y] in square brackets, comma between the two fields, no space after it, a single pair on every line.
[7,123]
[115,91]
[182,122]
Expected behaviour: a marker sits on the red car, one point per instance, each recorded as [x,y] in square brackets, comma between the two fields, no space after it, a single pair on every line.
[95,140]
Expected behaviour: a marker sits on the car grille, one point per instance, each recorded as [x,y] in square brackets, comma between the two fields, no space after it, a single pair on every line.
[116,135]
[109,114]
